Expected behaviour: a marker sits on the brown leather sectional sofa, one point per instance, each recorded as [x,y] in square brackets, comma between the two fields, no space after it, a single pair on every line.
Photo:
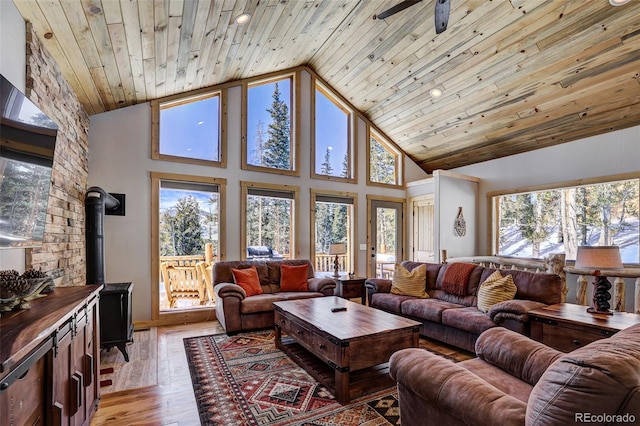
[456,320]
[517,381]
[237,312]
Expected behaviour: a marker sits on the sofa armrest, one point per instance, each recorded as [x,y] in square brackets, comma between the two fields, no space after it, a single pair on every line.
[516,354]
[377,285]
[223,290]
[514,309]
[322,285]
[454,389]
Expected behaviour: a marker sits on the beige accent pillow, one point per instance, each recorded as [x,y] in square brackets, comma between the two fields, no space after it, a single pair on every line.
[495,289]
[410,283]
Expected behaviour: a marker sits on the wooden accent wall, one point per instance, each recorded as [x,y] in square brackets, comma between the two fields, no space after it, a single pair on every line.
[63,252]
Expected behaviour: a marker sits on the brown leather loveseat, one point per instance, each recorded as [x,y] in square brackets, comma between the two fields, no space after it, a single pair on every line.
[237,312]
[455,318]
[518,381]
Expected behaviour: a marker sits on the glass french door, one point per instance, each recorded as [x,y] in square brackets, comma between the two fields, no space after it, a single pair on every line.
[386,237]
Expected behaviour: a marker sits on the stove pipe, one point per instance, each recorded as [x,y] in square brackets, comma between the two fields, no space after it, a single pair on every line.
[95,202]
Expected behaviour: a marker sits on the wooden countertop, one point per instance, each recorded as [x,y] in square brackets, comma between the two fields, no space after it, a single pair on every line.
[23,331]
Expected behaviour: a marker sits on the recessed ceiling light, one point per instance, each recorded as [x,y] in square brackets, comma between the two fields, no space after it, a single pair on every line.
[435,92]
[243,18]
[618,2]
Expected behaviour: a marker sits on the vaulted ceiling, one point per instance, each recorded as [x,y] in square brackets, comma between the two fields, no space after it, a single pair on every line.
[515,75]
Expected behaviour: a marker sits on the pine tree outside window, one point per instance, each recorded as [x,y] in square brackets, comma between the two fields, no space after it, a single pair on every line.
[189,129]
[268,126]
[558,220]
[332,143]
[384,162]
[187,216]
[269,217]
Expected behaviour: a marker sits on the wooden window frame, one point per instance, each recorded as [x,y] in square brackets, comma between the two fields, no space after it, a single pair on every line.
[493,209]
[294,123]
[352,151]
[156,106]
[397,153]
[244,188]
[180,316]
[354,225]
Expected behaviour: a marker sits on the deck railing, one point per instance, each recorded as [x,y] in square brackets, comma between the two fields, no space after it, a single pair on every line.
[324,262]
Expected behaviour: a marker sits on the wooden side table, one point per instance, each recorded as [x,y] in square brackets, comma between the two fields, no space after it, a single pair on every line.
[567,327]
[348,288]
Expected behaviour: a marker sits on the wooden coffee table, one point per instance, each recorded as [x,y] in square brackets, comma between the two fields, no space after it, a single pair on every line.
[566,326]
[347,351]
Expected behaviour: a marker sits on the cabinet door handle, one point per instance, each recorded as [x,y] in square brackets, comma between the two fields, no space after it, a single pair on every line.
[322,346]
[76,391]
[56,411]
[576,342]
[88,369]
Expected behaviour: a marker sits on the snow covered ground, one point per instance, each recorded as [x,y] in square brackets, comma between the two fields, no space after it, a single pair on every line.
[512,243]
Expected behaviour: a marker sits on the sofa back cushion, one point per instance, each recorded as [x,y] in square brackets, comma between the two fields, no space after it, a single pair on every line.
[539,287]
[222,272]
[600,379]
[469,299]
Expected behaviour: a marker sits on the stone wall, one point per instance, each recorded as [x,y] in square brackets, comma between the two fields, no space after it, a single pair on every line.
[63,252]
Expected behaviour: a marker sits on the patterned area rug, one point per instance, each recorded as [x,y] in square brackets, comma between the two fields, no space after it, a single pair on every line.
[245,380]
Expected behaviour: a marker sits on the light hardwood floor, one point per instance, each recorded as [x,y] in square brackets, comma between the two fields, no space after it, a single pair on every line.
[139,396]
[170,401]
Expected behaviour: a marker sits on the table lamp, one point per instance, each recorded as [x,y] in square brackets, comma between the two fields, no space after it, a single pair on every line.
[596,259]
[337,249]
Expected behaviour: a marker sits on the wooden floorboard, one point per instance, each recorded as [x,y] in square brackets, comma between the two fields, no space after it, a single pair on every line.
[170,401]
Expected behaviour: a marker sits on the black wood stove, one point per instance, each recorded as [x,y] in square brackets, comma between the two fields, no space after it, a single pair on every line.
[116,326]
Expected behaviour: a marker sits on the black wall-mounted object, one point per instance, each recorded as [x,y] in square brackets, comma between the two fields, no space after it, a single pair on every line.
[119,210]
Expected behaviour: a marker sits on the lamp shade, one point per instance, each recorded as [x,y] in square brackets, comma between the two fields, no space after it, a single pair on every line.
[598,257]
[338,248]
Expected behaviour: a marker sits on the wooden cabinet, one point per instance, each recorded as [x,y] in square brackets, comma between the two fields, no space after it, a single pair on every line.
[567,327]
[349,288]
[50,360]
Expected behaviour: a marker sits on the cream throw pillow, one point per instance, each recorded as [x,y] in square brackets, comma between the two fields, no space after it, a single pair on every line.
[410,283]
[495,289]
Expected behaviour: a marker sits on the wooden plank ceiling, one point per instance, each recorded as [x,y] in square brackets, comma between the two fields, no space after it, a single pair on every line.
[515,75]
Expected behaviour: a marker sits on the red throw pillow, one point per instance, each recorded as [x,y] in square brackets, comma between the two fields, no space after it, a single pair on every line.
[294,278]
[247,279]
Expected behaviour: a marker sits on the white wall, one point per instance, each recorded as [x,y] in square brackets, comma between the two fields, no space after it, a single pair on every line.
[608,154]
[453,193]
[13,64]
[13,53]
[120,161]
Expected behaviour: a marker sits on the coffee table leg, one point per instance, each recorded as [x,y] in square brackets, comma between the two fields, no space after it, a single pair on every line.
[342,387]
[278,337]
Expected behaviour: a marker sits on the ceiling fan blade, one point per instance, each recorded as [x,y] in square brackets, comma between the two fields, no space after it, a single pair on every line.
[397,8]
[442,15]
